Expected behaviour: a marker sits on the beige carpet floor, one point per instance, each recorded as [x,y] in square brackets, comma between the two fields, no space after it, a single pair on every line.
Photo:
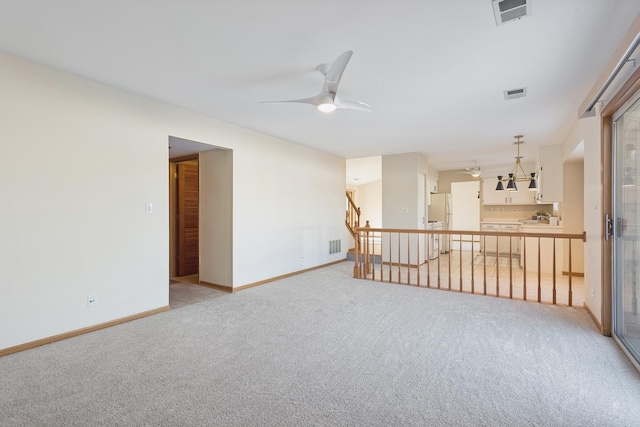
[324,349]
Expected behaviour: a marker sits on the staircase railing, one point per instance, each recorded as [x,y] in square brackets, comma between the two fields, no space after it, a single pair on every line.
[352,220]
[527,266]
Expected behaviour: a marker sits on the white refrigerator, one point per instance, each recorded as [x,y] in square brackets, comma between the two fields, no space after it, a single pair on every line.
[440,210]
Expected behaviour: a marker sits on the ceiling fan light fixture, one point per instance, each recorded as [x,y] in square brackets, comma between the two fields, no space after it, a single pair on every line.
[327,107]
[327,101]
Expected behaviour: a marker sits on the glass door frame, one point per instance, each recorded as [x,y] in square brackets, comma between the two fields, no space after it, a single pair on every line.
[617,212]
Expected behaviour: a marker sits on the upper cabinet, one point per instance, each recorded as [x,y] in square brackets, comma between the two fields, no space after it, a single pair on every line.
[492,197]
[523,196]
[550,174]
[489,194]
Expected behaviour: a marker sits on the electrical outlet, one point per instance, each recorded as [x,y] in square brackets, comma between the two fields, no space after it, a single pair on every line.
[593,293]
[92,301]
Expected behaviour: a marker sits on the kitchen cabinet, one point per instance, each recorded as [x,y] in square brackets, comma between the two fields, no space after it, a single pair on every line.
[546,249]
[489,194]
[509,244]
[521,197]
[490,243]
[503,245]
[550,174]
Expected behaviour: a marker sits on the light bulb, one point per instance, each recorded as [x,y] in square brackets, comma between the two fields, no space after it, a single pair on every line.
[327,107]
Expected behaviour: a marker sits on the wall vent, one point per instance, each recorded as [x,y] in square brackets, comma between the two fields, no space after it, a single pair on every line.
[334,246]
[510,10]
[515,93]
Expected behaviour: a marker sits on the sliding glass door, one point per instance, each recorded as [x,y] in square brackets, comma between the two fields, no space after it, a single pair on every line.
[626,226]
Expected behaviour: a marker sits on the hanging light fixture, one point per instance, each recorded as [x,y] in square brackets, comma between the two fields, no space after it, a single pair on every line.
[517,174]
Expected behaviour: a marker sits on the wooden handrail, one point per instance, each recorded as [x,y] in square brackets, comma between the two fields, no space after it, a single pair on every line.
[352,220]
[507,270]
[581,236]
[351,203]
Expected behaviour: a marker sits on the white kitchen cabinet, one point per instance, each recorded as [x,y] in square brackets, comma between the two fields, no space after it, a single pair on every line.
[503,245]
[546,250]
[489,194]
[521,197]
[550,174]
[490,243]
[509,244]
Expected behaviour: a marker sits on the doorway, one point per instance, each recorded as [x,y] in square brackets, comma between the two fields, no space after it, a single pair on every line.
[209,247]
[184,216]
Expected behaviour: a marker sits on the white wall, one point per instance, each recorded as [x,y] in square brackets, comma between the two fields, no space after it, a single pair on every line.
[446,178]
[81,159]
[573,213]
[369,198]
[289,202]
[216,217]
[588,131]
[400,200]
[400,189]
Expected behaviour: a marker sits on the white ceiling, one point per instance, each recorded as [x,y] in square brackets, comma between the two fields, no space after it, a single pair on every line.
[363,170]
[433,71]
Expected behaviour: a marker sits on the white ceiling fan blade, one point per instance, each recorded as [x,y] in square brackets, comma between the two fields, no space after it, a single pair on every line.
[353,105]
[327,101]
[334,74]
[314,100]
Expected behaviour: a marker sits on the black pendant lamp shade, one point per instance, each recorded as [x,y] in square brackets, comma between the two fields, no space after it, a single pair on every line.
[533,185]
[518,174]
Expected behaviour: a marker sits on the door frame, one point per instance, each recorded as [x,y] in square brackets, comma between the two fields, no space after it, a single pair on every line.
[626,92]
[173,202]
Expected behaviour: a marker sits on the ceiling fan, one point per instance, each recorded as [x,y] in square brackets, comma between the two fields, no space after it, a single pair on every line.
[327,100]
[474,171]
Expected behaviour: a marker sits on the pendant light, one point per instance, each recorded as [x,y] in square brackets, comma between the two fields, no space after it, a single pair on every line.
[517,174]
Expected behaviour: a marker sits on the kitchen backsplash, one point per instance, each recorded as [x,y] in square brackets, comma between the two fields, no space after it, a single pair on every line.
[516,211]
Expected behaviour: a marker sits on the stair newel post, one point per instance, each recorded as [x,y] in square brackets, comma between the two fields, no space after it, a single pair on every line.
[367,260]
[356,266]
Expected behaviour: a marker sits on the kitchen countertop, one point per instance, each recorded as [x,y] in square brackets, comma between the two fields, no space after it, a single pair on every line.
[523,223]
[540,226]
[499,221]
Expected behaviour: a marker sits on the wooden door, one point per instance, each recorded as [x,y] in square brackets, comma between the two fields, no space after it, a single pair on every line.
[187,219]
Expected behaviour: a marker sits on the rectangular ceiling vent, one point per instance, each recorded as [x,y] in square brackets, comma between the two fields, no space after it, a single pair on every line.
[510,10]
[515,93]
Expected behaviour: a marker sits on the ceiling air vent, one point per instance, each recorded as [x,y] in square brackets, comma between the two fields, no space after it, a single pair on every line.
[510,10]
[515,93]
